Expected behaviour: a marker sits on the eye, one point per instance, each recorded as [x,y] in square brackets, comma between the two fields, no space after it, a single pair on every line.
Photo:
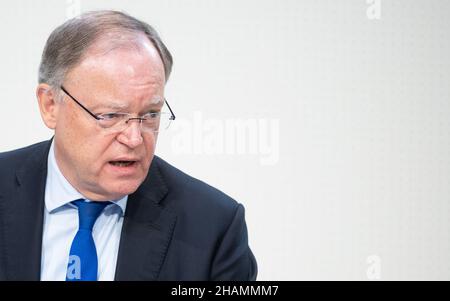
[110,116]
[151,115]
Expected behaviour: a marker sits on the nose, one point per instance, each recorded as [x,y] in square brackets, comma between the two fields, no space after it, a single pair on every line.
[132,135]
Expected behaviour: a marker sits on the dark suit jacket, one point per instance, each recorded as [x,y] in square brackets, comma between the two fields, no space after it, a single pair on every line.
[175,227]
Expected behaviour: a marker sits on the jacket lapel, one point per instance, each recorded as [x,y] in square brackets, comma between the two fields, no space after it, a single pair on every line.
[147,230]
[22,213]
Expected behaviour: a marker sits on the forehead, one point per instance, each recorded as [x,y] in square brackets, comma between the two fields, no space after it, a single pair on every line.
[137,62]
[120,74]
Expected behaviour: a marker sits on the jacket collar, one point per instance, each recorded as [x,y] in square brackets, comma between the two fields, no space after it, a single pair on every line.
[23,213]
[147,229]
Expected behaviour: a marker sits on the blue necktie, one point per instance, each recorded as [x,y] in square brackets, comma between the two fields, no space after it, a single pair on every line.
[83,263]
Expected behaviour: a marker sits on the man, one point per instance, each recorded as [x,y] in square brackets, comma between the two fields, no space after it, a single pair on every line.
[94,202]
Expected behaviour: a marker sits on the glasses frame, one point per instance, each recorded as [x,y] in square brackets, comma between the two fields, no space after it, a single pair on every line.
[172,115]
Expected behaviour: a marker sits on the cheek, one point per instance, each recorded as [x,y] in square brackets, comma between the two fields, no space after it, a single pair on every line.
[88,154]
[74,127]
[83,144]
[150,142]
[149,148]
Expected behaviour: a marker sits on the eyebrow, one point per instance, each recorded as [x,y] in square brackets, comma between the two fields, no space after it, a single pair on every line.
[115,106]
[156,101]
[109,106]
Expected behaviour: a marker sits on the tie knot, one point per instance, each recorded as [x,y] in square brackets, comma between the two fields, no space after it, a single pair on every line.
[88,212]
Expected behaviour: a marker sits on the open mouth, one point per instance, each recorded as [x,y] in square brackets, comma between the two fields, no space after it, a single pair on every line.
[122,163]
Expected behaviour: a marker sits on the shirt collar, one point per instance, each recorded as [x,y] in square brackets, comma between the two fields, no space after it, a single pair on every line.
[59,192]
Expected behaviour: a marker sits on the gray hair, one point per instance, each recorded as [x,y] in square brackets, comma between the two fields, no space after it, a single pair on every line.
[69,42]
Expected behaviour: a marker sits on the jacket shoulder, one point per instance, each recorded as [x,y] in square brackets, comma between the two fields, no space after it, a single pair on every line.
[10,160]
[193,192]
[13,161]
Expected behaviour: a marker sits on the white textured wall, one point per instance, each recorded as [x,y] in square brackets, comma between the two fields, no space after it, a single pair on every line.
[329,120]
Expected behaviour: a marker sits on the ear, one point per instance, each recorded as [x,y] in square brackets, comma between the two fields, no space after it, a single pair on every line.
[48,105]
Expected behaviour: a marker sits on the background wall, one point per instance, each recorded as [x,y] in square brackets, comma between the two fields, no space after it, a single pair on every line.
[329,120]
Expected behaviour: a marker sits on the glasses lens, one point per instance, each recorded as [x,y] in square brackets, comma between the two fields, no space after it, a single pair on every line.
[117,122]
[165,121]
[113,121]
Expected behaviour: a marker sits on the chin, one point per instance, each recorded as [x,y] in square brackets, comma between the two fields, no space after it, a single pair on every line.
[123,188]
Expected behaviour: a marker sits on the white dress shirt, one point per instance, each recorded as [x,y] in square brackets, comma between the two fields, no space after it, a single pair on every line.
[61,225]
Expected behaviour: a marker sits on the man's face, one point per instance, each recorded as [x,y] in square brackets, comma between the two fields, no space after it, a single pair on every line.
[87,155]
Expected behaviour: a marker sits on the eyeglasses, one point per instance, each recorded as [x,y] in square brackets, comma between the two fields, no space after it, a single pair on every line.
[118,122]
